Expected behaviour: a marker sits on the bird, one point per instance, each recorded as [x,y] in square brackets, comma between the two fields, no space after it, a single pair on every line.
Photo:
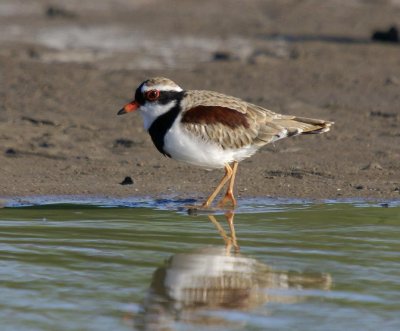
[210,129]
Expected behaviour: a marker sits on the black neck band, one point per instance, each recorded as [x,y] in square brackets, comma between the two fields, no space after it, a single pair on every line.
[163,123]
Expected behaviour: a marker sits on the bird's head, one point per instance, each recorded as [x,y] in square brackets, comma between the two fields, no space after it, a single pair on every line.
[153,98]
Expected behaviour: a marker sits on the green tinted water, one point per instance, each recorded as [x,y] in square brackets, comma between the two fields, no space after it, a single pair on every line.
[300,267]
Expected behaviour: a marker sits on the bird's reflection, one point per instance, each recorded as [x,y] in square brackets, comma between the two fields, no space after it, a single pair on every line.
[193,284]
[230,241]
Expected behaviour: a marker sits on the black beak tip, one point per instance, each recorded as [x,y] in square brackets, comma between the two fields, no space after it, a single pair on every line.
[121,111]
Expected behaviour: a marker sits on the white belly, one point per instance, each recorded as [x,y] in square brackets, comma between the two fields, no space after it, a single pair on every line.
[183,146]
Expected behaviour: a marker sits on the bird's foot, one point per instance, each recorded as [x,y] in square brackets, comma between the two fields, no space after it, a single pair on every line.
[227,198]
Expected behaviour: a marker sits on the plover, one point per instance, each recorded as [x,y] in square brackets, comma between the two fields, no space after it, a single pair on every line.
[210,129]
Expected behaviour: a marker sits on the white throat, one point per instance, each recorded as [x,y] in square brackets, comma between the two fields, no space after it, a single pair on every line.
[151,111]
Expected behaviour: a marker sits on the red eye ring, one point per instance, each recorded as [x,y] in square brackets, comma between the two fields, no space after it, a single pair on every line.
[152,95]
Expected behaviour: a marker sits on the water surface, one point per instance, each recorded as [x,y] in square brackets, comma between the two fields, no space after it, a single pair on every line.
[141,265]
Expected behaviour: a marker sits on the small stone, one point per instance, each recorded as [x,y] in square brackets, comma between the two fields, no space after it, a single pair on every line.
[127,181]
[45,144]
[222,56]
[10,151]
[33,53]
[192,211]
[391,35]
[392,80]
[127,143]
[53,12]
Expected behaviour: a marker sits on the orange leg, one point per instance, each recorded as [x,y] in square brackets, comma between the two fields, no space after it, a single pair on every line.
[228,175]
[229,192]
[229,241]
[229,217]
[221,230]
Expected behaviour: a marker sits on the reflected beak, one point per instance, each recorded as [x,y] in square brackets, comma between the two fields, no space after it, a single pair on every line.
[132,106]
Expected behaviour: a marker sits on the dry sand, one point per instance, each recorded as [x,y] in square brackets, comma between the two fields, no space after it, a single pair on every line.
[66,69]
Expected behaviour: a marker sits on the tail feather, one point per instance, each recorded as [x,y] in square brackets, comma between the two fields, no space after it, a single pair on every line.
[314,126]
[288,126]
[303,125]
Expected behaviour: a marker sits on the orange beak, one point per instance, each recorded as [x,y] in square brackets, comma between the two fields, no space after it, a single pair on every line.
[132,106]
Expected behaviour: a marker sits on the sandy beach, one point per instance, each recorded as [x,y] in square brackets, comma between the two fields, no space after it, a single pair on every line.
[66,68]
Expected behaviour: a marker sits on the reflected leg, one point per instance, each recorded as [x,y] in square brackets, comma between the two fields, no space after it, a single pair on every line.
[229,218]
[227,240]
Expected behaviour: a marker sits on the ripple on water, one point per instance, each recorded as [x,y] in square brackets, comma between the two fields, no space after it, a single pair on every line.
[138,263]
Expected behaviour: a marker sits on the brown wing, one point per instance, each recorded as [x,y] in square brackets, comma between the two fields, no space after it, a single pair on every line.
[234,123]
[224,126]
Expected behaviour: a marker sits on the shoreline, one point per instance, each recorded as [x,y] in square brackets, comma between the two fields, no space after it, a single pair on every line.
[175,203]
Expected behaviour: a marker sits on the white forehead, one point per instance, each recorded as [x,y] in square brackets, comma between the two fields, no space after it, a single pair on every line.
[161,87]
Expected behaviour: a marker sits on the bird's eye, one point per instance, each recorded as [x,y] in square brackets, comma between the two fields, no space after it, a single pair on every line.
[152,95]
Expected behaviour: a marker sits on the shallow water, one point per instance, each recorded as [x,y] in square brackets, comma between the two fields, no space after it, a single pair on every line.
[140,265]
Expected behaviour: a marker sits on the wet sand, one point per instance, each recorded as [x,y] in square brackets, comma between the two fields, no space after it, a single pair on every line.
[66,70]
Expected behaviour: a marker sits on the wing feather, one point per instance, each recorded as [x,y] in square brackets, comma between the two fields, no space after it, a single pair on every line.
[234,123]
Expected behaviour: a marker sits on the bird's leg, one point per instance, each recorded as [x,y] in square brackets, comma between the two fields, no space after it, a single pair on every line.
[228,174]
[229,192]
